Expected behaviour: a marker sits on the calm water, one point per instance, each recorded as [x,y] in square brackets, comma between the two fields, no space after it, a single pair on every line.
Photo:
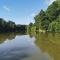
[41,46]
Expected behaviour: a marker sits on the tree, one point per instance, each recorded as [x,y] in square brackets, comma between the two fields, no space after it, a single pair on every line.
[41,21]
[48,20]
[11,26]
[53,11]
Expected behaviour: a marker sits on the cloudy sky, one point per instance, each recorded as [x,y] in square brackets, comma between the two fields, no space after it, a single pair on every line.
[22,11]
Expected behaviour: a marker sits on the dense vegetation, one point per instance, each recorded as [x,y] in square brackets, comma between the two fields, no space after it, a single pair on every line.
[49,20]
[31,28]
[11,27]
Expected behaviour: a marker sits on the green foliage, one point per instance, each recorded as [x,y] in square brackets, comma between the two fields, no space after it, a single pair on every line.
[53,11]
[49,19]
[11,27]
[31,28]
[37,22]
[41,21]
[55,26]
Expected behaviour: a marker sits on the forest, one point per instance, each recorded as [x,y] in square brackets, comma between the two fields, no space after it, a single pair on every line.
[48,20]
[11,26]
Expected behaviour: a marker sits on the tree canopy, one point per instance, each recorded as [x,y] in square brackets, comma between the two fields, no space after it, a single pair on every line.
[11,26]
[50,19]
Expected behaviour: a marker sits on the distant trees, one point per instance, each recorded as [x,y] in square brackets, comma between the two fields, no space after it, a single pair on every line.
[11,26]
[31,28]
[21,28]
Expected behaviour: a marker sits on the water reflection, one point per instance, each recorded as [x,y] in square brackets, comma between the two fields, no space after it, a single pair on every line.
[49,43]
[8,36]
[16,46]
[20,47]
[17,49]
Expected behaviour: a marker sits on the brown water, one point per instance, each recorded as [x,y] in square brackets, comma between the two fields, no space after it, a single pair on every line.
[49,43]
[41,46]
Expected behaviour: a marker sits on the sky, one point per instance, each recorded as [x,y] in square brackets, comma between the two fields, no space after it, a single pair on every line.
[22,11]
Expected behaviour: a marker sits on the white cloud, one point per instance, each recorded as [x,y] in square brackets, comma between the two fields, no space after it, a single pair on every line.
[49,1]
[33,15]
[30,18]
[6,8]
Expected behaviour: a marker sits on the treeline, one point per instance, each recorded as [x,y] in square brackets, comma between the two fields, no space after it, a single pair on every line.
[11,27]
[49,20]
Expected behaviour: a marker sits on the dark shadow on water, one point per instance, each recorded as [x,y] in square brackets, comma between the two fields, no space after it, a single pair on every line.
[9,36]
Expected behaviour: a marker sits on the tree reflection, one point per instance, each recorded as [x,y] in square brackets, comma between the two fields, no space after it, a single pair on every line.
[50,43]
[9,36]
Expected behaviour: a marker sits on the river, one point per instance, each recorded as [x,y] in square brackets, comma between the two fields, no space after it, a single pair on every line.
[42,46]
